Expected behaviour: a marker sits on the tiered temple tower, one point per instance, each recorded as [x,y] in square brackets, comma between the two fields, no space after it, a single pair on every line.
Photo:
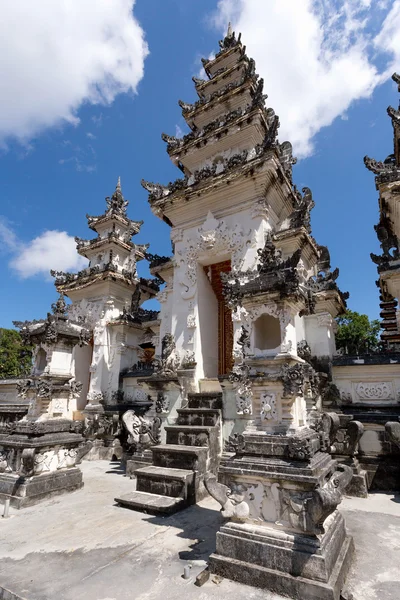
[387,180]
[249,305]
[79,352]
[104,295]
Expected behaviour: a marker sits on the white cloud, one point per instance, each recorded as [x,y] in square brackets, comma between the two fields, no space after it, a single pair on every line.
[54,56]
[8,239]
[178,132]
[316,56]
[50,250]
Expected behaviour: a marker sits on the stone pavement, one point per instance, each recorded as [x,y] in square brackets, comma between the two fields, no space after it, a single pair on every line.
[83,546]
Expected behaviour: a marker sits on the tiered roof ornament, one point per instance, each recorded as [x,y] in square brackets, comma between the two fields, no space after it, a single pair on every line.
[231,99]
[233,140]
[388,171]
[56,326]
[112,254]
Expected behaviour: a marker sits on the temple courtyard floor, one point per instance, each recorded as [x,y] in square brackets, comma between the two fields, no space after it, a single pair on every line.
[83,546]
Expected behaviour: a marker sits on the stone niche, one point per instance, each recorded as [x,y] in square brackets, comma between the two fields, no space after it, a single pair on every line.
[266,335]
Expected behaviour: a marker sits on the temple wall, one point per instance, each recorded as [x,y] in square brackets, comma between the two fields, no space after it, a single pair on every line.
[319,334]
[371,394]
[8,391]
[367,385]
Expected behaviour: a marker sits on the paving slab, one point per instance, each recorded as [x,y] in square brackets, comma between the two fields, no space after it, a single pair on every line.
[82,545]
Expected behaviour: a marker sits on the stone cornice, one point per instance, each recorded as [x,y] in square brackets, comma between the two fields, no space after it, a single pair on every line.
[95,221]
[176,146]
[190,111]
[76,281]
[97,243]
[185,193]
[242,63]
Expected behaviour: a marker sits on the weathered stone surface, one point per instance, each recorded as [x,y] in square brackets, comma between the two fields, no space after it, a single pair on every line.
[151,503]
[31,490]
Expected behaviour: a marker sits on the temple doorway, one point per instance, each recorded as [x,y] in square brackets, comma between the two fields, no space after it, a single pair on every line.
[225,325]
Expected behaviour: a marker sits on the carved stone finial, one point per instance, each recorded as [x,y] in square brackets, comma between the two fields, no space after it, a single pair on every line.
[229,33]
[118,187]
[60,306]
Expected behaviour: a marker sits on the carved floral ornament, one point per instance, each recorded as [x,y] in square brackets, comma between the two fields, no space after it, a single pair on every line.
[212,238]
[375,391]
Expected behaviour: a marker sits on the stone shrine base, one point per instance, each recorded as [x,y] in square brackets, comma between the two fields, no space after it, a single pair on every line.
[25,491]
[81,545]
[294,565]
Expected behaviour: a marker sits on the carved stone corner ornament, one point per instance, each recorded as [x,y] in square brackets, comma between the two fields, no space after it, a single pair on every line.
[231,500]
[308,511]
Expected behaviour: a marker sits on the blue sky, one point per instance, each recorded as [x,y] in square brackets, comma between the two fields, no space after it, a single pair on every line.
[69,129]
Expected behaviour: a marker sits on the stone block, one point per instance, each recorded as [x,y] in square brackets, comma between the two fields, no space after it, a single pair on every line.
[291,565]
[25,491]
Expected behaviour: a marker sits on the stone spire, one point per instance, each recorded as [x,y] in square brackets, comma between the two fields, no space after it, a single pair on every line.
[112,254]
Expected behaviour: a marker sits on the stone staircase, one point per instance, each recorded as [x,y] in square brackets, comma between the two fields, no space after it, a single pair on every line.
[175,480]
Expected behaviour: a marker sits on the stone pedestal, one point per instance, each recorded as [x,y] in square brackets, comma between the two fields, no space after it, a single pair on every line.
[38,460]
[298,566]
[284,534]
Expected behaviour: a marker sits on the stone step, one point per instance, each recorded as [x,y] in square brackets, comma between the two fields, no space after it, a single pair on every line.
[151,503]
[198,416]
[176,483]
[190,435]
[180,456]
[205,400]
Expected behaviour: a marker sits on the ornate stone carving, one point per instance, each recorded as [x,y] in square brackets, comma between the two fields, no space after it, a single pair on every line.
[304,351]
[235,443]
[169,361]
[386,172]
[212,237]
[346,397]
[27,462]
[346,439]
[162,403]
[268,406]
[75,387]
[392,429]
[6,460]
[240,377]
[230,499]
[95,397]
[293,380]
[307,511]
[374,391]
[142,433]
[301,216]
[44,388]
[25,386]
[191,322]
[300,448]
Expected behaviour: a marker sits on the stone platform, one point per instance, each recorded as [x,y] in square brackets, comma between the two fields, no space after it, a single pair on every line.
[83,546]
